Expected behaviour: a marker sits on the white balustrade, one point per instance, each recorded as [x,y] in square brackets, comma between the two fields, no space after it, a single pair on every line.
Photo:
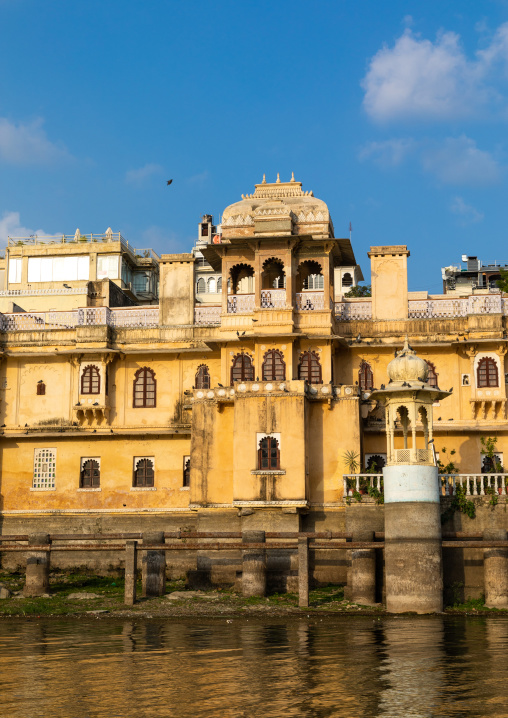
[138,317]
[361,482]
[310,301]
[473,484]
[86,316]
[204,314]
[240,303]
[348,311]
[273,298]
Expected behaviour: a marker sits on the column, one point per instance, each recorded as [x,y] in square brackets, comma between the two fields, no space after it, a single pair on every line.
[253,565]
[153,565]
[37,566]
[495,566]
[363,570]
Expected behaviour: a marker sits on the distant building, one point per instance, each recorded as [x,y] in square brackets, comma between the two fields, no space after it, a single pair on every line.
[471,276]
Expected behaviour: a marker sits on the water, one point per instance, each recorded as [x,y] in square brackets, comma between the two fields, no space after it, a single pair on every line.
[314,668]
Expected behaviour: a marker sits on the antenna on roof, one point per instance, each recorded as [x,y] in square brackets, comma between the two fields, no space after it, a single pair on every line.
[350,230]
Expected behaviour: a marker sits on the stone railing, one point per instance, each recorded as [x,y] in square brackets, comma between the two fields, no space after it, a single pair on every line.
[273,299]
[88,316]
[204,314]
[240,303]
[473,484]
[361,483]
[310,301]
[349,311]
[42,292]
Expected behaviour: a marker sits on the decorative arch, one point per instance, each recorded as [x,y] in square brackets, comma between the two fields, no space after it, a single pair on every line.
[309,276]
[91,380]
[273,274]
[309,367]
[202,380]
[211,285]
[143,472]
[432,378]
[347,279]
[219,285]
[242,368]
[90,476]
[365,376]
[201,286]
[144,388]
[376,461]
[274,366]
[242,278]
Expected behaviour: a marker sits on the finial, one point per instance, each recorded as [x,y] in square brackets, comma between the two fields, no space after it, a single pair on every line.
[292,176]
[264,179]
[278,178]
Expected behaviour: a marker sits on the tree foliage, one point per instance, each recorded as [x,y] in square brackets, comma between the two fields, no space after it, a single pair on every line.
[360,291]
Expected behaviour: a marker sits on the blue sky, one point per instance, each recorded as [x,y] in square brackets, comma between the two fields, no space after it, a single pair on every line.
[393,113]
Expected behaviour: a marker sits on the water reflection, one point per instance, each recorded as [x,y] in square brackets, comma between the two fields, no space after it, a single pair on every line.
[394,667]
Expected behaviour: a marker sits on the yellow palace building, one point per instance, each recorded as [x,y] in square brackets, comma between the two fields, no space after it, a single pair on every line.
[133,399]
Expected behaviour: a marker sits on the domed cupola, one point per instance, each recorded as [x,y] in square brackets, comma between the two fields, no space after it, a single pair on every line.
[407,367]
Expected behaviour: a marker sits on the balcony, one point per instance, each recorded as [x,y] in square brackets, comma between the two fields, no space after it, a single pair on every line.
[273,299]
[240,303]
[430,308]
[89,316]
[207,315]
[310,301]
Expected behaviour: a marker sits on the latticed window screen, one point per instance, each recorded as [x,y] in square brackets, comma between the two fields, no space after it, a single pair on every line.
[91,380]
[310,368]
[268,453]
[242,369]
[487,373]
[274,367]
[44,469]
[366,376]
[202,377]
[143,472]
[144,388]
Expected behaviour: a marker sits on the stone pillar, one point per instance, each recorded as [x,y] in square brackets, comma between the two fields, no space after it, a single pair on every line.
[131,572]
[495,566]
[303,572]
[253,565]
[413,562]
[153,565]
[37,566]
[363,570]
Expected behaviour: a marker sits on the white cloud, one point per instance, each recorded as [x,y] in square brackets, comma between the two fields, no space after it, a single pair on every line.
[457,160]
[421,79]
[466,212]
[10,226]
[388,153]
[141,175]
[199,178]
[25,144]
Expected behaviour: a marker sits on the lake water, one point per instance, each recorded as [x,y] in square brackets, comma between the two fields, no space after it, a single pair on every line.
[314,668]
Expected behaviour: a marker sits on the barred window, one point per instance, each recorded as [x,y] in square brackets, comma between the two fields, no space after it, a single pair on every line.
[91,380]
[487,374]
[432,378]
[274,367]
[242,368]
[90,476]
[365,376]
[202,377]
[44,469]
[268,454]
[143,471]
[309,367]
[186,471]
[144,388]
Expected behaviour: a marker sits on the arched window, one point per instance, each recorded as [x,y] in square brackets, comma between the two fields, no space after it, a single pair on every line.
[274,367]
[314,281]
[347,280]
[365,377]
[41,388]
[90,476]
[432,378]
[201,286]
[219,285]
[309,367]
[269,454]
[144,388]
[242,369]
[211,285]
[487,374]
[186,471]
[91,380]
[376,462]
[202,377]
[143,472]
